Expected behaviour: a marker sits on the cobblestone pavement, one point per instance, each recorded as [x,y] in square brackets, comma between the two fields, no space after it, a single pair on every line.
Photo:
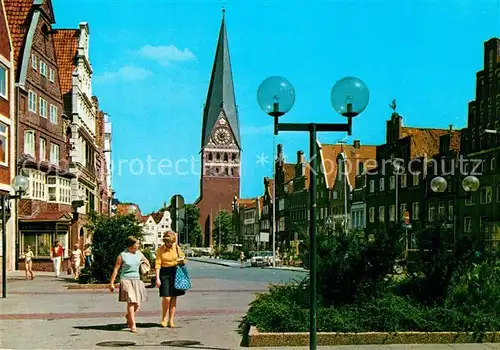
[44,314]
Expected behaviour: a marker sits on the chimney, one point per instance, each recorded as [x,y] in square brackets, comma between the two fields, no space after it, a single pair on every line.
[357,144]
[300,157]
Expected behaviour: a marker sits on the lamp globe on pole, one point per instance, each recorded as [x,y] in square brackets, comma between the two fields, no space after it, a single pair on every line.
[470,183]
[276,96]
[349,96]
[439,184]
[20,184]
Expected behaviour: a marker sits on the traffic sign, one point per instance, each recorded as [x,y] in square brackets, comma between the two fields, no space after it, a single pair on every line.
[406,218]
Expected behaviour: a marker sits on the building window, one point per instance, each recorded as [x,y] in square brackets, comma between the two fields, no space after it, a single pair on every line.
[431,213]
[485,195]
[59,189]
[33,62]
[415,210]
[450,211]
[498,193]
[54,153]
[392,213]
[470,200]
[402,209]
[403,180]
[372,186]
[416,179]
[441,210]
[392,182]
[493,164]
[37,181]
[43,68]
[52,188]
[40,243]
[381,214]
[3,82]
[4,144]
[53,114]
[467,224]
[381,185]
[43,107]
[335,194]
[29,143]
[52,75]
[43,149]
[32,101]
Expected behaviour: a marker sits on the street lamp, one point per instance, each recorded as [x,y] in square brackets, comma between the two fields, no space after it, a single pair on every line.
[20,185]
[469,184]
[349,97]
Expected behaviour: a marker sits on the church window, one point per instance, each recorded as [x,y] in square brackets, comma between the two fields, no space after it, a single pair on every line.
[233,156]
[217,156]
[226,157]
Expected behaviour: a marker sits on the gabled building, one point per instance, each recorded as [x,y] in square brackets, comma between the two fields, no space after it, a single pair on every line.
[246,219]
[7,131]
[220,142]
[154,226]
[45,213]
[481,144]
[341,164]
[85,133]
[392,192]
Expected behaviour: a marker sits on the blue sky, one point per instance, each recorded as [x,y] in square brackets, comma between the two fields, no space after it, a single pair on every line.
[152,61]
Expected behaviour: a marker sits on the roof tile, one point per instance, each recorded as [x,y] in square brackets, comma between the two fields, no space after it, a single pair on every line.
[66,46]
[18,12]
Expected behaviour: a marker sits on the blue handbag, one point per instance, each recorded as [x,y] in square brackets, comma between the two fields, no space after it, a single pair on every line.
[182,281]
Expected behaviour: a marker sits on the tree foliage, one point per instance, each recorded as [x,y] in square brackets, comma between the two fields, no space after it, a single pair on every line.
[109,236]
[223,228]
[193,225]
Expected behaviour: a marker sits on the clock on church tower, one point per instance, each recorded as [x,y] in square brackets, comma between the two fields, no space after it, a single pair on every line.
[220,142]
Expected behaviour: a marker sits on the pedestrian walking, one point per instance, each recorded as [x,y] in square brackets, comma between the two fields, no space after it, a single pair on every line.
[28,262]
[56,255]
[242,259]
[168,256]
[76,260]
[132,289]
[88,255]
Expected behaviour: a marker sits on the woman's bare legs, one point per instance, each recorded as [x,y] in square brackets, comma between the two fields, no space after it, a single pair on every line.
[131,308]
[171,312]
[165,306]
[26,267]
[30,270]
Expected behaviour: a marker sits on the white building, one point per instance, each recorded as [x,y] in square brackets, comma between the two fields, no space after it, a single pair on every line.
[107,149]
[154,226]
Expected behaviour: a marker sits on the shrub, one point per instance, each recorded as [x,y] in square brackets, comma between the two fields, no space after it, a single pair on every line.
[349,268]
[109,235]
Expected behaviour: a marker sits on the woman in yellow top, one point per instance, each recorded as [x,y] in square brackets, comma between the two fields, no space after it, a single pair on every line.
[168,256]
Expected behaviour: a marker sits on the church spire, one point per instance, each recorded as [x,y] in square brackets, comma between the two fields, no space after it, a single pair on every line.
[220,97]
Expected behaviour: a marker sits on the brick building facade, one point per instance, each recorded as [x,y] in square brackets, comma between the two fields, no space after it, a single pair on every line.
[7,132]
[220,142]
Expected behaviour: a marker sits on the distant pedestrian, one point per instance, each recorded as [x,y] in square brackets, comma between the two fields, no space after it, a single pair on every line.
[56,255]
[242,259]
[168,256]
[88,256]
[76,260]
[132,289]
[28,262]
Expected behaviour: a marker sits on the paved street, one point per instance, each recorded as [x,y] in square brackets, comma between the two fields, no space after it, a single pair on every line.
[44,314]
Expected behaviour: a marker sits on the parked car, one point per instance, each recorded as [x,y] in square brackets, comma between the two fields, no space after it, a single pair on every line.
[264,258]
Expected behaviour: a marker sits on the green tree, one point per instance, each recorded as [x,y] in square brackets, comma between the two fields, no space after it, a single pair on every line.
[224,222]
[193,225]
[109,235]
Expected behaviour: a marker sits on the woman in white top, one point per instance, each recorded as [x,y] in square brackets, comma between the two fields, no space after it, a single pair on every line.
[28,262]
[76,260]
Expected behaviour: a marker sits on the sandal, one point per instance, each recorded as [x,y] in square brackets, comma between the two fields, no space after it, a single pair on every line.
[163,323]
[133,329]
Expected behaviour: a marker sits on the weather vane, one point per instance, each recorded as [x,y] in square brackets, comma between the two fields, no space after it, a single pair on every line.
[393,105]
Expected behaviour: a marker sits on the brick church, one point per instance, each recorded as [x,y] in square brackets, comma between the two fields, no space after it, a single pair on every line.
[220,142]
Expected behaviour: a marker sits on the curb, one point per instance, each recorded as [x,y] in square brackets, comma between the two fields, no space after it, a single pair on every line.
[257,339]
[212,262]
[295,269]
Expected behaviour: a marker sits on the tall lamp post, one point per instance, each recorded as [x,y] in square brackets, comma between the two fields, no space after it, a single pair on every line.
[349,97]
[470,184]
[20,185]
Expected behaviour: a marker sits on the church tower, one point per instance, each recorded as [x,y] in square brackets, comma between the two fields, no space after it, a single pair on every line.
[220,142]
